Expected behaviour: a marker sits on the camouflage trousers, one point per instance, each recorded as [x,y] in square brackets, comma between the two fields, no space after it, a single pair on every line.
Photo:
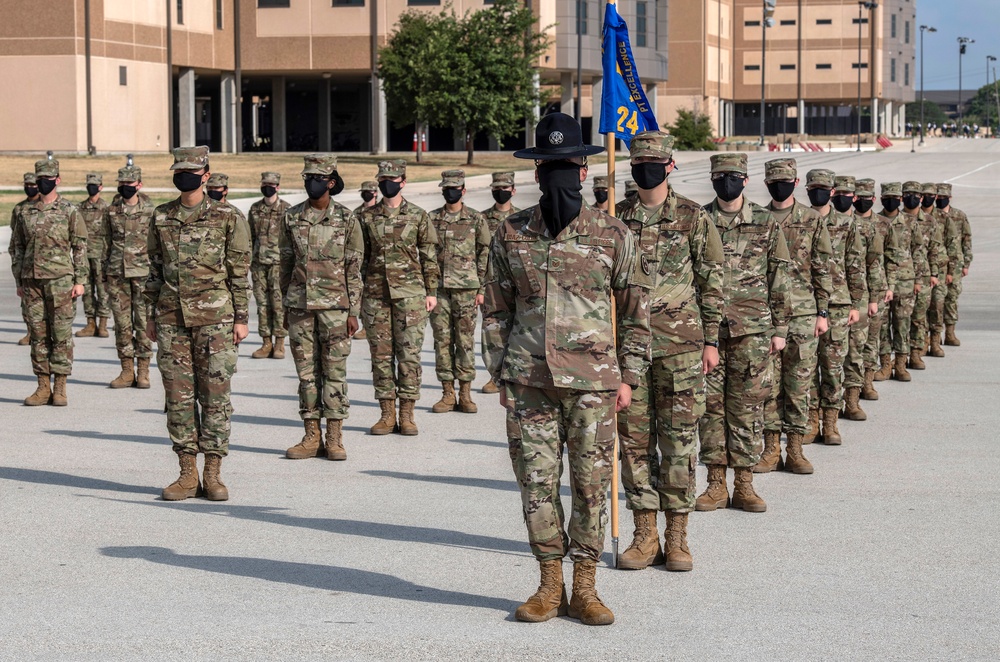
[854,361]
[453,322]
[935,311]
[267,293]
[828,385]
[49,311]
[873,348]
[794,368]
[732,428]
[320,347]
[900,318]
[125,296]
[197,364]
[395,329]
[659,435]
[95,298]
[951,300]
[918,321]
[539,423]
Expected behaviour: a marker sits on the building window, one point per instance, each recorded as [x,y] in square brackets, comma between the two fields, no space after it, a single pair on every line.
[906,31]
[123,75]
[581,16]
[788,67]
[180,12]
[892,70]
[751,24]
[824,21]
[218,15]
[855,65]
[266,4]
[906,73]
[824,66]
[751,67]
[788,22]
[418,3]
[640,23]
[348,3]
[862,21]
[892,26]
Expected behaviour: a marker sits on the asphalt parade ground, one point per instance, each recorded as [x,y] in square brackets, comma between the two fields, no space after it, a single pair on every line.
[415,547]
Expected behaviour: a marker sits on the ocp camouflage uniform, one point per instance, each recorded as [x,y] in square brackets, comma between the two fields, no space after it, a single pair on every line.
[197,289]
[265,270]
[494,217]
[937,263]
[913,268]
[897,264]
[965,244]
[952,234]
[548,339]
[95,299]
[29,178]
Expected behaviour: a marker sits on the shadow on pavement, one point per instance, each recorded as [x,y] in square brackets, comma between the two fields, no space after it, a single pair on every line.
[67,480]
[310,575]
[479,442]
[146,439]
[463,481]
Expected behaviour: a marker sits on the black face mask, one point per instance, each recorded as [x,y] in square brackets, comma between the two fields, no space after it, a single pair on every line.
[843,203]
[186,181]
[93,189]
[368,196]
[942,202]
[317,187]
[864,204]
[46,186]
[601,195]
[501,196]
[890,204]
[267,190]
[729,187]
[451,195]
[127,192]
[389,188]
[561,194]
[781,191]
[927,201]
[911,201]
[649,175]
[217,195]
[818,197]
[30,190]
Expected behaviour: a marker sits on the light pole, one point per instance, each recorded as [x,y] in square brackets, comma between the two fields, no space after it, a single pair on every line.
[989,58]
[579,59]
[767,22]
[862,5]
[962,43]
[923,29]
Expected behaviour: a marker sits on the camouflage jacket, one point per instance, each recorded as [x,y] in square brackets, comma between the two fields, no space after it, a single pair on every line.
[756,284]
[809,247]
[321,254]
[874,252]
[965,235]
[463,249]
[265,230]
[847,266]
[49,241]
[400,252]
[14,215]
[680,250]
[897,260]
[933,242]
[126,238]
[198,265]
[494,218]
[952,236]
[93,216]
[547,312]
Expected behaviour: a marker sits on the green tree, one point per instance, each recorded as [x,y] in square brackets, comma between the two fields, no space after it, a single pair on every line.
[983,105]
[692,131]
[932,113]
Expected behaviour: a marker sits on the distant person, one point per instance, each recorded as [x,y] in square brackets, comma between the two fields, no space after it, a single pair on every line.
[95,299]
[266,219]
[601,193]
[30,195]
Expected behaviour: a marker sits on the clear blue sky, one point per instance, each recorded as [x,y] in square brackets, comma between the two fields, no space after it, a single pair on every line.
[977,19]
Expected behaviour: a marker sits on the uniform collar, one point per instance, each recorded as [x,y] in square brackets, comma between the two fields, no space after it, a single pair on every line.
[578,227]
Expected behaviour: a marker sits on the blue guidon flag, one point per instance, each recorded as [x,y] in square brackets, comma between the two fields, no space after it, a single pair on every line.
[625,110]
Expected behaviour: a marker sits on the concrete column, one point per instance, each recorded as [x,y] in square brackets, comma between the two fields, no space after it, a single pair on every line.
[875,117]
[325,122]
[185,107]
[653,104]
[566,81]
[227,112]
[901,118]
[279,137]
[595,126]
[532,120]
[382,140]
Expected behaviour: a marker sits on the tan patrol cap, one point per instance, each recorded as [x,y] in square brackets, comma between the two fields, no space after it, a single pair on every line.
[658,144]
[270,177]
[47,168]
[819,178]
[912,187]
[394,168]
[190,158]
[29,178]
[95,178]
[132,173]
[631,187]
[865,188]
[369,185]
[217,180]
[452,179]
[780,170]
[890,189]
[729,162]
[928,188]
[319,164]
[502,179]
[944,190]
[600,181]
[844,183]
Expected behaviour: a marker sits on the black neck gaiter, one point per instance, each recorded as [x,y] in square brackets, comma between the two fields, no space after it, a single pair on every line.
[561,194]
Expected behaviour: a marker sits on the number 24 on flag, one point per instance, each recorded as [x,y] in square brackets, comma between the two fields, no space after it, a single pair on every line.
[627,118]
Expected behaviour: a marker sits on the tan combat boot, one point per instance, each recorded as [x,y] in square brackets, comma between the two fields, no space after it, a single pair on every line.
[585,604]
[215,489]
[387,423]
[950,338]
[102,328]
[465,403]
[59,391]
[279,348]
[89,330]
[770,459]
[795,461]
[264,351]
[311,444]
[812,433]
[868,391]
[549,600]
[142,373]
[335,439]
[716,495]
[852,405]
[916,360]
[831,435]
[186,485]
[675,541]
[899,371]
[447,401]
[744,497]
[42,394]
[407,426]
[490,388]
[645,548]
[936,350]
[885,368]
[361,335]
[126,377]
[26,340]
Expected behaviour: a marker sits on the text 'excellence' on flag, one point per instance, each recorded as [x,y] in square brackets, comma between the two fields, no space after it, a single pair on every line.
[625,110]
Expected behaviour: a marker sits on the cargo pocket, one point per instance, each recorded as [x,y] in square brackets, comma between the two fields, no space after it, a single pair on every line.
[221,360]
[689,395]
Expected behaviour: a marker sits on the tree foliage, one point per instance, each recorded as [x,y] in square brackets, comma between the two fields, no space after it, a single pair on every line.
[932,113]
[692,131]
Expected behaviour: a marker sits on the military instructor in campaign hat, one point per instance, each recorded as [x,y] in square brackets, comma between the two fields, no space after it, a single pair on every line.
[549,344]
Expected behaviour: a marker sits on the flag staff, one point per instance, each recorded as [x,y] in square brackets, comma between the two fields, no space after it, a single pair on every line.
[609,144]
